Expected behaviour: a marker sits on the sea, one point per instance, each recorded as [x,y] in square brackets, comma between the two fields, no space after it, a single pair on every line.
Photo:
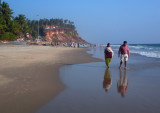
[92,88]
[147,50]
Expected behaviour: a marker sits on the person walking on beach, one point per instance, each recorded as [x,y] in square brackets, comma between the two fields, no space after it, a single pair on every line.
[108,54]
[124,54]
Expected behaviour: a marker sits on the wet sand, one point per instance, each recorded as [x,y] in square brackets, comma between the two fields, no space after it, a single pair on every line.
[29,75]
[91,88]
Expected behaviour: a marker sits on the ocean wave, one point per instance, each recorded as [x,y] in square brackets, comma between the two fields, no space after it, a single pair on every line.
[149,50]
[133,47]
[147,54]
[115,45]
[137,47]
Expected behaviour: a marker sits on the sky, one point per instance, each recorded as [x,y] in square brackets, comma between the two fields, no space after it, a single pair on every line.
[100,21]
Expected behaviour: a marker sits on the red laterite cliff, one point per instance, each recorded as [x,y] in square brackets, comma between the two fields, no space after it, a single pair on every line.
[62,34]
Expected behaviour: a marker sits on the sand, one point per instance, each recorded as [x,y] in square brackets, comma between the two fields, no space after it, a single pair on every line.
[87,83]
[29,75]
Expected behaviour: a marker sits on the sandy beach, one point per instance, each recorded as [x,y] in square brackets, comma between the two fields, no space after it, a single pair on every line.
[70,57]
[29,75]
[92,88]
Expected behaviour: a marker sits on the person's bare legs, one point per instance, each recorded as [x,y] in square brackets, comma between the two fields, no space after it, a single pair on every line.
[120,65]
[125,64]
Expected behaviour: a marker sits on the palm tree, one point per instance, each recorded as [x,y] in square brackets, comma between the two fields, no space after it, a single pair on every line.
[72,23]
[6,12]
[69,22]
[15,28]
[21,19]
[3,26]
[66,21]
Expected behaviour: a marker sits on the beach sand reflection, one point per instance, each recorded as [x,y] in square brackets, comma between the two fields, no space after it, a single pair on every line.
[107,82]
[122,83]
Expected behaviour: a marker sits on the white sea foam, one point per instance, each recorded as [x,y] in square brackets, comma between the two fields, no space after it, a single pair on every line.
[147,54]
[137,47]
[115,45]
[144,50]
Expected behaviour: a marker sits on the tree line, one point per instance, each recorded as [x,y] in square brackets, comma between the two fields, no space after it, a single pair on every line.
[12,27]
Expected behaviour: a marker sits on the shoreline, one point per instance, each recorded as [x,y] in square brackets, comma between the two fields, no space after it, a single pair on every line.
[87,87]
[28,85]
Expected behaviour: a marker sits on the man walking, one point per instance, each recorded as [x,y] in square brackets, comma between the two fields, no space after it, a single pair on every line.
[124,54]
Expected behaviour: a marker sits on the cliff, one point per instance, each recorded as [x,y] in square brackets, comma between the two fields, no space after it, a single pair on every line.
[62,34]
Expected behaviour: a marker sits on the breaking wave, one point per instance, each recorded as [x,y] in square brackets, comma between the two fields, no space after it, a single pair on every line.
[148,50]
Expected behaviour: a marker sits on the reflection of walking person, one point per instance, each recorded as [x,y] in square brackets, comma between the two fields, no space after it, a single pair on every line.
[122,84]
[107,82]
[108,54]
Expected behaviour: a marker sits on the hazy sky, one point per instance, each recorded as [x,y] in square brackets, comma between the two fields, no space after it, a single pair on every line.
[100,21]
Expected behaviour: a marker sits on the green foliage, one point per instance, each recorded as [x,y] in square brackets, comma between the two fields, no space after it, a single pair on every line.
[74,35]
[3,26]
[7,36]
[15,28]
[6,12]
[21,19]
[34,34]
[41,31]
[54,35]
[68,33]
[11,28]
[55,22]
[65,21]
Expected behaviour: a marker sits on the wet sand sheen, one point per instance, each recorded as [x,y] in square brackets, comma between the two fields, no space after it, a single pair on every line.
[91,88]
[30,76]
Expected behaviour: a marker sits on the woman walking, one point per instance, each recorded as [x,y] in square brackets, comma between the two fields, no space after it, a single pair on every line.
[108,54]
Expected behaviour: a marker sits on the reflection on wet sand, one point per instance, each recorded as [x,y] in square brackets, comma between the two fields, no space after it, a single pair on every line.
[107,82]
[122,83]
[101,50]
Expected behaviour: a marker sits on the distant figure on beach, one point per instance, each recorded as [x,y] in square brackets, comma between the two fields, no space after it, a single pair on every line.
[124,54]
[108,52]
[107,82]
[122,84]
[95,45]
